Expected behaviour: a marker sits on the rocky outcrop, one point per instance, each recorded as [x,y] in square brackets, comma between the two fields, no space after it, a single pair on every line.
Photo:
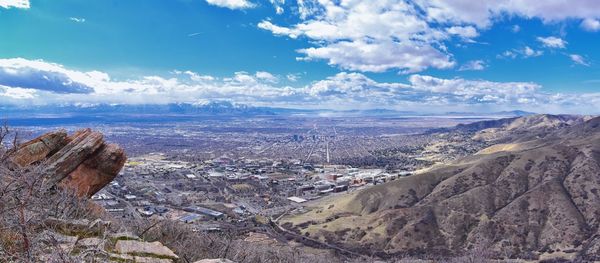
[82,162]
[78,244]
[141,248]
[40,148]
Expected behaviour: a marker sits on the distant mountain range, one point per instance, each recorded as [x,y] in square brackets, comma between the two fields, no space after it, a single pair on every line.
[214,108]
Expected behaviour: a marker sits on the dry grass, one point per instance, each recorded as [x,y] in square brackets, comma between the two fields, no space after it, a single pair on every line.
[503,147]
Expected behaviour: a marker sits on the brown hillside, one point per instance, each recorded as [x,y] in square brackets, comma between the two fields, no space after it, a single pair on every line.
[539,198]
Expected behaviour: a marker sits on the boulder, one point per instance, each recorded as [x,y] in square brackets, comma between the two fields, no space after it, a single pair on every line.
[123,236]
[81,227]
[82,146]
[94,173]
[114,257]
[91,242]
[39,148]
[146,249]
[82,162]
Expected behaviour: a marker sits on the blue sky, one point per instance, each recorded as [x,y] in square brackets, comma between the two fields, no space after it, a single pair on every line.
[437,55]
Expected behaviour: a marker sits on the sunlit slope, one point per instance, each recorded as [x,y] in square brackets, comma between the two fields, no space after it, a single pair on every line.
[543,195]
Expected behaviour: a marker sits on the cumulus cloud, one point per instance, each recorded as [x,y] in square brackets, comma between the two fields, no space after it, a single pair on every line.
[552,42]
[579,60]
[278,30]
[373,36]
[482,13]
[17,93]
[339,32]
[591,24]
[14,3]
[44,82]
[463,31]
[29,82]
[427,92]
[379,56]
[473,65]
[353,85]
[28,74]
[232,4]
[266,76]
[474,91]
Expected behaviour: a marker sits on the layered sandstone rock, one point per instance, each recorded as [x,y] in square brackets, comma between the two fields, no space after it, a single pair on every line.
[154,249]
[40,148]
[82,161]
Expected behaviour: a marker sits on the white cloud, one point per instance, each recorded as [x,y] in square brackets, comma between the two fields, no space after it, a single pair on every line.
[552,42]
[473,65]
[266,76]
[507,54]
[463,31]
[525,52]
[278,6]
[17,93]
[426,93]
[232,4]
[380,56]
[482,13]
[77,19]
[278,30]
[32,82]
[37,74]
[279,10]
[515,28]
[194,76]
[478,92]
[529,52]
[293,77]
[579,60]
[340,31]
[50,83]
[591,24]
[15,3]
[375,36]
[352,85]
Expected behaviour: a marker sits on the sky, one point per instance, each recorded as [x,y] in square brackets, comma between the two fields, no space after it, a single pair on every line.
[418,55]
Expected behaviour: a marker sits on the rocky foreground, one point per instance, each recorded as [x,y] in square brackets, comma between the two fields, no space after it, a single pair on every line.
[82,163]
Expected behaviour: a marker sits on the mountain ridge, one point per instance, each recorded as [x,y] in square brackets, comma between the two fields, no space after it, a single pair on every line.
[222,108]
[536,200]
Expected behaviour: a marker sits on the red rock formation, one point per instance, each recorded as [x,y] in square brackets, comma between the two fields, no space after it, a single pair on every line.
[39,148]
[94,173]
[82,161]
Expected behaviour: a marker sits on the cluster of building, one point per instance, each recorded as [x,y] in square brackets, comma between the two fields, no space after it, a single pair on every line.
[227,192]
